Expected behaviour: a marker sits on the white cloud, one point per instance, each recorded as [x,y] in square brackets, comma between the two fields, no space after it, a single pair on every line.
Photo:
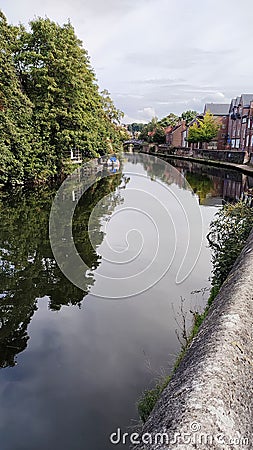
[156,56]
[147,113]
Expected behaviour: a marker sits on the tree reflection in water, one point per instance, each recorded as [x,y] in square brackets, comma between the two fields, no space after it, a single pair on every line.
[28,268]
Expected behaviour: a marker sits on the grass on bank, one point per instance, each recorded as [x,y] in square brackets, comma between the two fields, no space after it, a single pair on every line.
[227,237]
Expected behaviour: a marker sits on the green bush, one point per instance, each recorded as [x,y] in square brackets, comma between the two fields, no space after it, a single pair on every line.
[227,237]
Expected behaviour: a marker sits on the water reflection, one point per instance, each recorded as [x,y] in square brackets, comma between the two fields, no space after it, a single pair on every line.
[213,185]
[28,269]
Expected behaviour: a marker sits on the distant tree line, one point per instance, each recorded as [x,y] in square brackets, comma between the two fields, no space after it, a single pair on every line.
[154,131]
[50,103]
[203,129]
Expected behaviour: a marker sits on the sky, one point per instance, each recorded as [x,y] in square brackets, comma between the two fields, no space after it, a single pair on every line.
[157,56]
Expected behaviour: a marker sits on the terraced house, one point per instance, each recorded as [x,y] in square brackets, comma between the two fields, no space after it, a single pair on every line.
[240,123]
[236,125]
[235,132]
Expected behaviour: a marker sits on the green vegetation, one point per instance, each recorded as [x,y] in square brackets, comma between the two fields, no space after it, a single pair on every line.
[150,397]
[135,128]
[188,116]
[154,131]
[171,119]
[15,110]
[204,130]
[151,130]
[227,237]
[50,103]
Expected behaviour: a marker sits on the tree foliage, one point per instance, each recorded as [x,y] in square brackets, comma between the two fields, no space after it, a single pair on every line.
[188,116]
[172,119]
[15,110]
[148,129]
[154,131]
[227,237]
[203,130]
[50,102]
[135,127]
[159,135]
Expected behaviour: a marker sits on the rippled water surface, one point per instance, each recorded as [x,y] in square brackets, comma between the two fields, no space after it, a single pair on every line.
[74,362]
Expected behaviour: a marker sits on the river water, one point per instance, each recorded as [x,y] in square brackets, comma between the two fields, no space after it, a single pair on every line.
[74,361]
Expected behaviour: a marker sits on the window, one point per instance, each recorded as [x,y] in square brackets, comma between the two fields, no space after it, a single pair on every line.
[212,145]
[247,141]
[75,155]
[244,119]
[237,143]
[233,143]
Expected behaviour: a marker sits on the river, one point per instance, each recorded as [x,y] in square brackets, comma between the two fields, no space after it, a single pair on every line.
[74,362]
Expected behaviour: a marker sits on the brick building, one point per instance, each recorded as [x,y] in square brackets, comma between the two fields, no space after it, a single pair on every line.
[249,130]
[240,123]
[236,127]
[220,112]
[175,135]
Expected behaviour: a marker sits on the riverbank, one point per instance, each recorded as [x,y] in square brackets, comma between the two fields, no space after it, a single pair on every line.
[210,394]
[248,169]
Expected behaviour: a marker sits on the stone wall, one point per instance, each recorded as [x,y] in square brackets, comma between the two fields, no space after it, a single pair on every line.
[208,402]
[235,157]
[220,155]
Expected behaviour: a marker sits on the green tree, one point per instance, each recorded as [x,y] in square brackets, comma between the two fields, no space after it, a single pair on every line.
[228,234]
[56,75]
[135,127]
[148,129]
[172,119]
[203,130]
[159,135]
[50,103]
[15,111]
[188,116]
[112,113]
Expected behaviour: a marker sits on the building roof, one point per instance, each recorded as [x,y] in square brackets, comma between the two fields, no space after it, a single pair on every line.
[246,99]
[217,109]
[168,129]
[199,116]
[232,104]
[179,125]
[237,101]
